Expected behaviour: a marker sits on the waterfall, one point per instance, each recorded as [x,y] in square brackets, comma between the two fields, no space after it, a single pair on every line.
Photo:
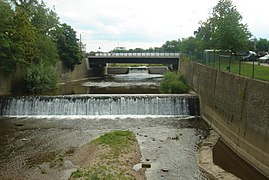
[135,70]
[98,105]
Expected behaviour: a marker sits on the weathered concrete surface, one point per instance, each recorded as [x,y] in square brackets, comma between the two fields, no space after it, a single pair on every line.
[158,69]
[205,159]
[237,108]
[9,80]
[117,70]
[80,72]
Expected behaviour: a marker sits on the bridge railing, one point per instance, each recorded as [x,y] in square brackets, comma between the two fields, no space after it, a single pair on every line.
[137,54]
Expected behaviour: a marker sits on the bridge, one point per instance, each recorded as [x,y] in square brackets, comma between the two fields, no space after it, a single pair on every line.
[101,59]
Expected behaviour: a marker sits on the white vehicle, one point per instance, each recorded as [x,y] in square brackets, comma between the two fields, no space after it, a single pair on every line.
[264,59]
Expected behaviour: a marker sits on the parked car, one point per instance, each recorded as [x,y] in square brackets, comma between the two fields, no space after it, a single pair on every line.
[251,56]
[261,53]
[264,59]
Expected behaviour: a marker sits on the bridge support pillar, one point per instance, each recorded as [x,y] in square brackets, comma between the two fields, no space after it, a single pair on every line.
[175,67]
[98,70]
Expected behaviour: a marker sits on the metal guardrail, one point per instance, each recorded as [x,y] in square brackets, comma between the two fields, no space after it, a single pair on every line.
[137,54]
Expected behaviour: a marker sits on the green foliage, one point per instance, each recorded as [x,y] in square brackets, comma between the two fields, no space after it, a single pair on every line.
[174,83]
[68,46]
[229,33]
[48,52]
[44,19]
[24,38]
[109,165]
[40,77]
[30,34]
[117,140]
[171,46]
[7,61]
[262,44]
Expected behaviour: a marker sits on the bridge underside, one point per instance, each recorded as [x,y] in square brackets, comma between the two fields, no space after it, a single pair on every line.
[95,61]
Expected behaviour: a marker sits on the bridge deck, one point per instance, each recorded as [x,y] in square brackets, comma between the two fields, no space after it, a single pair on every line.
[138,55]
[134,58]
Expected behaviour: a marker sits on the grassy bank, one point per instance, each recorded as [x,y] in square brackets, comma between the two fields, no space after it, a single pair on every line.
[239,67]
[111,158]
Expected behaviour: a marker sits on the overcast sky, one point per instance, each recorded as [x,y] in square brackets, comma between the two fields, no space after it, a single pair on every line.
[148,23]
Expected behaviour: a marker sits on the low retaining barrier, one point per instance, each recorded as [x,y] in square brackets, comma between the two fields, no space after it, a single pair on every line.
[237,108]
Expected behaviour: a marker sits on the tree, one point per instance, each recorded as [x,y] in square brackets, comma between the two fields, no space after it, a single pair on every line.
[228,31]
[7,60]
[189,45]
[44,19]
[171,46]
[204,36]
[24,38]
[25,4]
[68,46]
[262,44]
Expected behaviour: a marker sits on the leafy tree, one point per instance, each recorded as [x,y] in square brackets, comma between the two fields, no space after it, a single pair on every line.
[25,4]
[204,35]
[7,60]
[262,44]
[48,52]
[171,46]
[24,38]
[228,31]
[68,46]
[189,45]
[44,19]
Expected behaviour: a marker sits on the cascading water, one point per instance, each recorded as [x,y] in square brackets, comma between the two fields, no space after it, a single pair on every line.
[137,74]
[140,70]
[97,105]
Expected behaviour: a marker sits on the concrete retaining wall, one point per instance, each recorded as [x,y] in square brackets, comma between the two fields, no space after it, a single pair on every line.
[9,81]
[237,108]
[80,72]
[117,70]
[158,69]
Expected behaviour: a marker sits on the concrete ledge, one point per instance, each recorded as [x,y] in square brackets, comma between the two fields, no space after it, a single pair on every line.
[205,159]
[117,70]
[124,70]
[158,70]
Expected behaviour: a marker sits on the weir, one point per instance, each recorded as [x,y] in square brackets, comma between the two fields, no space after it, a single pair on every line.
[155,104]
[135,70]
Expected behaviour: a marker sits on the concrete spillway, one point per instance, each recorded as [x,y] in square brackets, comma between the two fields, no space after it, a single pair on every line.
[100,105]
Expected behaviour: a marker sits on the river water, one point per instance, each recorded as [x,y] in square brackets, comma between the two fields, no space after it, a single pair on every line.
[34,132]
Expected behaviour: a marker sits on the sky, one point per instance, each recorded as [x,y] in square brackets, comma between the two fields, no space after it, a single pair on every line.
[106,24]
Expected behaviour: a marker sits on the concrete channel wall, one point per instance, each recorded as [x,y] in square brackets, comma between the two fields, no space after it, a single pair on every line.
[237,108]
[81,71]
[10,81]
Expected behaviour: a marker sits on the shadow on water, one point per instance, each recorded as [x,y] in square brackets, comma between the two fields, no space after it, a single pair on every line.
[224,157]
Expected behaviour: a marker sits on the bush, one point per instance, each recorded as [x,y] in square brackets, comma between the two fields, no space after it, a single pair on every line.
[40,77]
[173,83]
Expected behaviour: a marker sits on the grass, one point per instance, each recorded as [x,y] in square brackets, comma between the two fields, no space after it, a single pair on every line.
[109,167]
[260,72]
[119,141]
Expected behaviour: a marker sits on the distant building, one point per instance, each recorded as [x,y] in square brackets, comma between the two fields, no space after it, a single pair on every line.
[120,48]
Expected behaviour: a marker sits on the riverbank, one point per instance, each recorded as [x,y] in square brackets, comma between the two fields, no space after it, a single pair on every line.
[42,148]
